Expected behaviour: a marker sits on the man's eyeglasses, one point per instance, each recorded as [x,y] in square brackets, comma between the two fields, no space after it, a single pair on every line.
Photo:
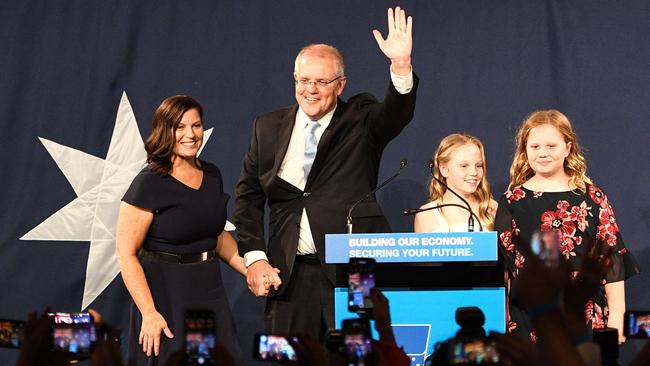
[318,83]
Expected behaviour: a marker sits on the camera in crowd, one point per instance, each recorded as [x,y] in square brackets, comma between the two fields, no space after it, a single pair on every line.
[470,346]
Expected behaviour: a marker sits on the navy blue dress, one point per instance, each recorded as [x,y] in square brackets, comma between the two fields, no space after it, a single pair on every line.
[186,220]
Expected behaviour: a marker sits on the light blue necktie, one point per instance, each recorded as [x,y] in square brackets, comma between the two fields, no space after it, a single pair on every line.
[311,145]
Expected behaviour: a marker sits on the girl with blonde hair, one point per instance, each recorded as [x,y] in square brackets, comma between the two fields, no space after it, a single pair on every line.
[550,191]
[460,164]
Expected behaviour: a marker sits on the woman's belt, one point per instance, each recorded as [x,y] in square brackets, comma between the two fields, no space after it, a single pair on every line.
[176,257]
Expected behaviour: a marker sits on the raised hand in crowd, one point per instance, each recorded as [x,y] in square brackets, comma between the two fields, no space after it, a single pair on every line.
[643,357]
[310,352]
[220,356]
[385,350]
[581,286]
[106,351]
[538,289]
[517,350]
[36,347]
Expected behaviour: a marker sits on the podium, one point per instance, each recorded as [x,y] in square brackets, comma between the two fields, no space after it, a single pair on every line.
[426,277]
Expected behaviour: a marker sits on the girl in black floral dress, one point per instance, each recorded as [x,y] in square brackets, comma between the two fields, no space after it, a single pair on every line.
[550,191]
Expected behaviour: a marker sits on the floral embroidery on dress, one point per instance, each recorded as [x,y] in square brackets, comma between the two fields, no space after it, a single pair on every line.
[506,237]
[537,194]
[597,195]
[596,314]
[515,194]
[608,228]
[519,260]
[512,325]
[561,220]
[506,240]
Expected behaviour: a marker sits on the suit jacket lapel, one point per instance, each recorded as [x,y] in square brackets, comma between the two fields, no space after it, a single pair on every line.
[283,137]
[325,143]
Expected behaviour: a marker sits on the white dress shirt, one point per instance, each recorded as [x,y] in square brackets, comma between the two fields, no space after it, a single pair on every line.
[292,171]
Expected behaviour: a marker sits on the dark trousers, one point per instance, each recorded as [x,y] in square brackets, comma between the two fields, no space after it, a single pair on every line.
[307,305]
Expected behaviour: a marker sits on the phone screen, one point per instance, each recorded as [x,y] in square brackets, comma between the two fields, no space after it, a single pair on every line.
[71,318]
[361,279]
[546,245]
[73,333]
[637,324]
[473,351]
[199,336]
[12,333]
[358,341]
[269,347]
[76,338]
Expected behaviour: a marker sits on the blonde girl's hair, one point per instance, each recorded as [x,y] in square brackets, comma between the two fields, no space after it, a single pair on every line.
[575,164]
[482,195]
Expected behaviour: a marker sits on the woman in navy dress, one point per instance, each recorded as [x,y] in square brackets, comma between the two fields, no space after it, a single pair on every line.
[549,191]
[169,235]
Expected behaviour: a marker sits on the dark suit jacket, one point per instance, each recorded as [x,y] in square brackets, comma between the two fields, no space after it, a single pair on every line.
[344,170]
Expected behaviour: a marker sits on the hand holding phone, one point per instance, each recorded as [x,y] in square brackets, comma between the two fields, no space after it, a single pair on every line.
[199,336]
[361,279]
[73,333]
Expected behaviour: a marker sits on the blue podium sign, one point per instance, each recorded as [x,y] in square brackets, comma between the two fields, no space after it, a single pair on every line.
[423,317]
[412,247]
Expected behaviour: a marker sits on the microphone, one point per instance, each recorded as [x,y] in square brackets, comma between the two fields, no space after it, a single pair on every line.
[413,211]
[402,164]
[470,221]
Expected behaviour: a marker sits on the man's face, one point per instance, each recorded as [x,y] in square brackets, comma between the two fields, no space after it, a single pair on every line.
[315,96]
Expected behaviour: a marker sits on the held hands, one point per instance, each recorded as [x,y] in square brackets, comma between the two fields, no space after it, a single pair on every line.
[260,277]
[397,46]
[153,324]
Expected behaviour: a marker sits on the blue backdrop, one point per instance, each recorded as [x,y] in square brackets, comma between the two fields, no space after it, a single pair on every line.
[483,65]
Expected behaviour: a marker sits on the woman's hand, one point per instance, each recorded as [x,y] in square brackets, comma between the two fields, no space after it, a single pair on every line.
[152,325]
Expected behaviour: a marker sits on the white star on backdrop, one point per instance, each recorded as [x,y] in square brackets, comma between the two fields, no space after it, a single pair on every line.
[99,185]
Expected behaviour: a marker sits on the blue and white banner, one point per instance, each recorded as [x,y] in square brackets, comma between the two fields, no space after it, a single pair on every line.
[421,318]
[412,247]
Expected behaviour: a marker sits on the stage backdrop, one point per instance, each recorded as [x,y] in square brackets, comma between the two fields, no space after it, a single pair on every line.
[79,81]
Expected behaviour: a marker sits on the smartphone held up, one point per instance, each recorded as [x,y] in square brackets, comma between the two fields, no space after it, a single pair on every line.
[199,336]
[361,280]
[73,333]
[547,246]
[358,341]
[273,347]
[637,324]
[12,333]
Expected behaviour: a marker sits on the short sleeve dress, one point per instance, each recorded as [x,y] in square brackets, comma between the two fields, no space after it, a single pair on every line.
[185,221]
[580,218]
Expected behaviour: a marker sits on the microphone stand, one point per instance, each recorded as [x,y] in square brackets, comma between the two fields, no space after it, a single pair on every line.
[402,164]
[412,211]
[470,221]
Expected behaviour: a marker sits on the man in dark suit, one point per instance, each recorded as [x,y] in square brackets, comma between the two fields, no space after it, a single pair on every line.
[310,163]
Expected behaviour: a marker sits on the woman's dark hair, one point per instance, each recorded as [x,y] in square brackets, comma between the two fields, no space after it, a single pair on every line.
[160,144]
